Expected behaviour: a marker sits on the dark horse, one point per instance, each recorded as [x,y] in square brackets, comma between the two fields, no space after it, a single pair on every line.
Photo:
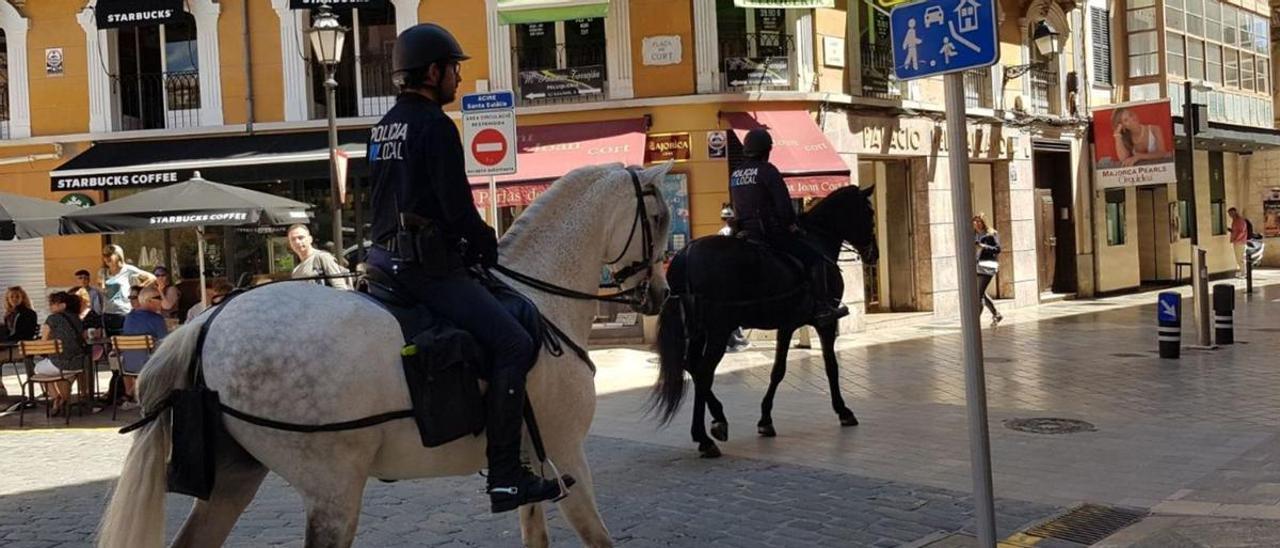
[719,283]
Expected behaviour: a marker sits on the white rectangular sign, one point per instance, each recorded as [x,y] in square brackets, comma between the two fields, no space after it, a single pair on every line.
[489,134]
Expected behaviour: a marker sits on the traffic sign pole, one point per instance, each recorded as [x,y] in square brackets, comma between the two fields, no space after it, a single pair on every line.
[489,132]
[493,204]
[947,37]
[975,384]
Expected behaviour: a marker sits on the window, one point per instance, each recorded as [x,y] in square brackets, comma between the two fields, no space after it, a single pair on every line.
[1231,72]
[1213,63]
[562,61]
[1101,20]
[1261,69]
[1175,57]
[1115,216]
[1217,193]
[364,75]
[1246,72]
[1213,20]
[1174,17]
[158,76]
[1195,17]
[1140,21]
[1184,215]
[1228,25]
[756,48]
[1195,59]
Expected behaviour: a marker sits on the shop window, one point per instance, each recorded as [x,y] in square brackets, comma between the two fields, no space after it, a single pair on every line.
[1115,216]
[158,76]
[1184,216]
[1217,193]
[561,61]
[363,76]
[756,48]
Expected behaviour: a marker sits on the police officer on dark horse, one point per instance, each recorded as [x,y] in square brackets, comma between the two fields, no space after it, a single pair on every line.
[778,273]
[426,234]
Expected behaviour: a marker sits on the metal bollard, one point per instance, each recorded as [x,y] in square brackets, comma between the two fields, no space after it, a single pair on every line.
[1169,324]
[1224,303]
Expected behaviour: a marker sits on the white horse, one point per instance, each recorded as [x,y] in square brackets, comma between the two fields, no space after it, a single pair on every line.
[302,353]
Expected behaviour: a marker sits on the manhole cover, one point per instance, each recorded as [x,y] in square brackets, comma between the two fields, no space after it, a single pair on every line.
[1049,425]
[1087,524]
[1129,355]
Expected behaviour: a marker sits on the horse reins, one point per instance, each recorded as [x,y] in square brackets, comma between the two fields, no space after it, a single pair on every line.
[635,296]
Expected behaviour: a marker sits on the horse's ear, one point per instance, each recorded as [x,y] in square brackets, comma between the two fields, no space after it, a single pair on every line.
[869,190]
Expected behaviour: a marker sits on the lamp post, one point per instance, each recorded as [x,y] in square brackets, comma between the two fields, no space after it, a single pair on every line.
[327,39]
[1199,283]
[1046,42]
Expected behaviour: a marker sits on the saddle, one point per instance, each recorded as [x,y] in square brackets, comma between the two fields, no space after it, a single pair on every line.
[443,363]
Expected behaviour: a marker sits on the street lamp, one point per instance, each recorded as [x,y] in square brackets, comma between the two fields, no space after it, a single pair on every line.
[1194,118]
[1046,42]
[327,39]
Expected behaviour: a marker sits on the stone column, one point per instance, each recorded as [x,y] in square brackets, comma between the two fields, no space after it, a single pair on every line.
[499,49]
[706,38]
[15,31]
[99,79]
[618,46]
[293,62]
[206,15]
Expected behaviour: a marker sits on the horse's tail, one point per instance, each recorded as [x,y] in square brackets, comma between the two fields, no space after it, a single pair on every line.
[673,341]
[135,515]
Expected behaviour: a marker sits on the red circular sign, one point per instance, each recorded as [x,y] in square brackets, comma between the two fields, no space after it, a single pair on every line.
[489,147]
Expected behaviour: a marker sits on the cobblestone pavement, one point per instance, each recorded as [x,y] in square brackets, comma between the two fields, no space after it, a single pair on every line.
[1193,440]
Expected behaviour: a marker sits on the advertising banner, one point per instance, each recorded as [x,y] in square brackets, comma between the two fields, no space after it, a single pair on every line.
[312,4]
[1271,214]
[664,147]
[568,82]
[675,190]
[1133,144]
[757,71]
[115,14]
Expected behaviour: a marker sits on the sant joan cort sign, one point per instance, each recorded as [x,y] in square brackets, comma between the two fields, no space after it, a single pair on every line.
[920,138]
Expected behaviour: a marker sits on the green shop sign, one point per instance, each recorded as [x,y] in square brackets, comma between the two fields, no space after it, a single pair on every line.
[794,4]
[79,200]
[515,12]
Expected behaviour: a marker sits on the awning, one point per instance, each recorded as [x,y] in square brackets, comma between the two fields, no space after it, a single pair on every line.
[544,153]
[808,162]
[238,160]
[114,14]
[786,4]
[512,12]
[1230,137]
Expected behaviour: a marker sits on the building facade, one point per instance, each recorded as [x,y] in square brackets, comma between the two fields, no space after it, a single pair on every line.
[99,109]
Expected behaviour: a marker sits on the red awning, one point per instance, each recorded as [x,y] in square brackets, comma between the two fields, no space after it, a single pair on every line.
[544,153]
[808,162]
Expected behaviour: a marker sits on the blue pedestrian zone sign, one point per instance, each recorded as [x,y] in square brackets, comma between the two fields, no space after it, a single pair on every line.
[939,36]
[1167,307]
[497,100]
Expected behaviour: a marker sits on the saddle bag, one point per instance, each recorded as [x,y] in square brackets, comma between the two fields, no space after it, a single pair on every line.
[196,424]
[441,369]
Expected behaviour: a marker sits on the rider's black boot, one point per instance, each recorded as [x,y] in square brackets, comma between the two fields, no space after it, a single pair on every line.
[511,483]
[825,308]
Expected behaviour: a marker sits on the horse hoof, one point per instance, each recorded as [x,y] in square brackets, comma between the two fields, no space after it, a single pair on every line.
[766,430]
[848,419]
[708,450]
[720,430]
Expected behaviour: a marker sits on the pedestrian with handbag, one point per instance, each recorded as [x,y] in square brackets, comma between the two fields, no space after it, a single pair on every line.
[988,249]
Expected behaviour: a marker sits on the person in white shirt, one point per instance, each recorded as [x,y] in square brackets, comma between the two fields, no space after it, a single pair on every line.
[313,262]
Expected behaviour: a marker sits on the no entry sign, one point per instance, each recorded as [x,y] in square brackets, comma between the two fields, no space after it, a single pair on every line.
[489,133]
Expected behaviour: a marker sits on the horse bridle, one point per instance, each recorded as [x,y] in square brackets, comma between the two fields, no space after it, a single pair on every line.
[637,296]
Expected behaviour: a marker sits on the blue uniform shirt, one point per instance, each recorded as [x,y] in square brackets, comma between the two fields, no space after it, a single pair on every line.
[760,198]
[141,322]
[417,164]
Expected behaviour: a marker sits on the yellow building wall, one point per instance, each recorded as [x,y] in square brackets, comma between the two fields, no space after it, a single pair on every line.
[59,104]
[663,18]
[63,255]
[267,66]
[467,21]
[831,22]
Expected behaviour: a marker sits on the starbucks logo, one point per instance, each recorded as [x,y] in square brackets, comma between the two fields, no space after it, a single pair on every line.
[78,200]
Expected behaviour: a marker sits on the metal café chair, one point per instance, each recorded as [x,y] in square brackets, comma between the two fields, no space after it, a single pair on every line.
[33,349]
[129,343]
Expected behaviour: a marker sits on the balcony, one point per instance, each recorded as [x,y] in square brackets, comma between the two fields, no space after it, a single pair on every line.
[560,75]
[757,62]
[1044,92]
[977,88]
[364,89]
[877,72]
[163,100]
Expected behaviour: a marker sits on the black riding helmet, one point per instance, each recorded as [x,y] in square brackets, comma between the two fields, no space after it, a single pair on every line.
[757,144]
[420,46]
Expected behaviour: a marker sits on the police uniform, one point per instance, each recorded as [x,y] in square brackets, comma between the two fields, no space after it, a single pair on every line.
[762,204]
[416,159]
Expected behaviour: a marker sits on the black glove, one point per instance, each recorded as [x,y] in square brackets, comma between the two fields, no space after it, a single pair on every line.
[482,249]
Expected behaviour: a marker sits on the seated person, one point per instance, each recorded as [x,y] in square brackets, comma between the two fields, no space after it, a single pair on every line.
[144,319]
[63,324]
[217,292]
[19,317]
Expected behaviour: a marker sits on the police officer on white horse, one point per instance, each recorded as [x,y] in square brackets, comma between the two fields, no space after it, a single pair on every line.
[427,233]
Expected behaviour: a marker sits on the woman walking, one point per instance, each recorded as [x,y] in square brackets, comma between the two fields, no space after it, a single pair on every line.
[988,248]
[117,277]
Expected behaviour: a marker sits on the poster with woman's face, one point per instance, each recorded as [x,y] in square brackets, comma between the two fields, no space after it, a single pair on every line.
[1133,144]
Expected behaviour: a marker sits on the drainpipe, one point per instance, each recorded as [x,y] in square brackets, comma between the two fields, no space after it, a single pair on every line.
[29,158]
[248,68]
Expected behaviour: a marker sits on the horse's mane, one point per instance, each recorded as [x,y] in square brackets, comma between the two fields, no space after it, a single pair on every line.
[576,183]
[833,202]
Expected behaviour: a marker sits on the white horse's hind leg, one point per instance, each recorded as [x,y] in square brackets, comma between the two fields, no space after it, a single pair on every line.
[332,514]
[533,526]
[209,523]
[579,508]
